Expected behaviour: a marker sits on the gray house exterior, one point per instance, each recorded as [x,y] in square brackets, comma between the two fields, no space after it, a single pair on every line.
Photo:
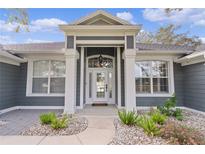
[100,62]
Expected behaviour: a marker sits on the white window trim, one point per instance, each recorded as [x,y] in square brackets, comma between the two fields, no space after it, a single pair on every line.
[30,78]
[170,77]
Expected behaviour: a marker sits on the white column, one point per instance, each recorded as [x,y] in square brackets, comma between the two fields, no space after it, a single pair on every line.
[130,94]
[70,82]
[81,77]
[118,78]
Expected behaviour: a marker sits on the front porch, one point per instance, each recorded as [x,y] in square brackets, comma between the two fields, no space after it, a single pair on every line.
[96,74]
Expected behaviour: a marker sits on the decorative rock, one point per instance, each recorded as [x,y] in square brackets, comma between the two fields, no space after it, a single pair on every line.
[2,123]
[75,126]
[132,135]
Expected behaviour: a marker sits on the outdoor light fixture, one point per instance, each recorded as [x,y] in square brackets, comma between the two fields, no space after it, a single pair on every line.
[100,59]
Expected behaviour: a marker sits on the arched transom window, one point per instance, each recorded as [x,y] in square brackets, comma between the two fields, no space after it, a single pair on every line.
[95,63]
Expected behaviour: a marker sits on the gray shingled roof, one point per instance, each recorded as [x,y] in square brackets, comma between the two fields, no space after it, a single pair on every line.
[201,47]
[51,46]
[143,46]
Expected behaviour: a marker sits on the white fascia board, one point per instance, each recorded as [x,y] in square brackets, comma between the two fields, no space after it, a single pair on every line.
[192,59]
[99,27]
[12,57]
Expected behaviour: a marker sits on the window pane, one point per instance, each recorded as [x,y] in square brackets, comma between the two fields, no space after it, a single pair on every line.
[57,85]
[142,69]
[110,84]
[143,85]
[159,69]
[160,85]
[41,68]
[40,85]
[57,68]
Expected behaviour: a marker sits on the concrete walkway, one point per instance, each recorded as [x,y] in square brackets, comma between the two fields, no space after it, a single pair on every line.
[100,127]
[100,131]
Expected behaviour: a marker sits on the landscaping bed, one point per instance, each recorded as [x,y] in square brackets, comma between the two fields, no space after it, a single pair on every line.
[74,125]
[165,125]
[134,135]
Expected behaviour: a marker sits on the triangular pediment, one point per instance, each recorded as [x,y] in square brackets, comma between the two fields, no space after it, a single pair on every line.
[101,18]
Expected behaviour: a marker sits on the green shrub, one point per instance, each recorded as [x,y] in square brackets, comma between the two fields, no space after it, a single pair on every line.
[179,134]
[127,118]
[169,108]
[178,114]
[58,123]
[148,125]
[47,118]
[158,118]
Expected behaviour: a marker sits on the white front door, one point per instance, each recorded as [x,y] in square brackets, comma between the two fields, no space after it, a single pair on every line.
[100,84]
[100,87]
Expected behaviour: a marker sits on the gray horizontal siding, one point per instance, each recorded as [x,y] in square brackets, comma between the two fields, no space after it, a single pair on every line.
[8,85]
[33,101]
[178,82]
[150,101]
[194,86]
[97,50]
[99,37]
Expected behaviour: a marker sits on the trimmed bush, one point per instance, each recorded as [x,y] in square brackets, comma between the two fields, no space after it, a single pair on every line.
[127,118]
[47,118]
[58,123]
[179,134]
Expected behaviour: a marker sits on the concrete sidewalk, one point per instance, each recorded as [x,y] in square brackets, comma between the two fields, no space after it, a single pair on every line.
[100,131]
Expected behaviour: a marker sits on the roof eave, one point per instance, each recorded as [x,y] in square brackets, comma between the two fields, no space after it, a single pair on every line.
[98,27]
[12,57]
[191,59]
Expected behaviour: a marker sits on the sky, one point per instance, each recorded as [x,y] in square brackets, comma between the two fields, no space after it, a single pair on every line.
[43,23]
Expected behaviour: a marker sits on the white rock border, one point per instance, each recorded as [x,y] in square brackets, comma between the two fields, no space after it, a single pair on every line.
[75,126]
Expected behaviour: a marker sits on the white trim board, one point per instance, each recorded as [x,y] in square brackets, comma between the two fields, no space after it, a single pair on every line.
[31,107]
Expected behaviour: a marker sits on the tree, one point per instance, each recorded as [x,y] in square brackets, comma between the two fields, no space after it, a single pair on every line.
[19,17]
[168,11]
[168,35]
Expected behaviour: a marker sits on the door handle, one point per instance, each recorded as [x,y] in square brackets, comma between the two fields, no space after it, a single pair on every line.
[106,87]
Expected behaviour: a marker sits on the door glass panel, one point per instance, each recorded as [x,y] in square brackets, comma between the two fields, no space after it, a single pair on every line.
[100,85]
[90,85]
[110,84]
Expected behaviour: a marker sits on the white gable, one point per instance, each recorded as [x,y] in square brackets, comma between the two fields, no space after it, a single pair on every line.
[101,18]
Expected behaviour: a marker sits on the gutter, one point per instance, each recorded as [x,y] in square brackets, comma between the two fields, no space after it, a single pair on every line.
[6,54]
[193,58]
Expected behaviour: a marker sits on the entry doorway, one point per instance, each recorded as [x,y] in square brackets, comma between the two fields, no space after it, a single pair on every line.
[100,81]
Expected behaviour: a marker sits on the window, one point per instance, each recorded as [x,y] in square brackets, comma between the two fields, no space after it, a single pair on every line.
[94,63]
[152,77]
[48,77]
